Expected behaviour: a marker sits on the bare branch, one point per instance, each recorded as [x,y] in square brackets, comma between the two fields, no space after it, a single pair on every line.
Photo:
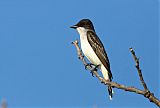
[138,69]
[146,93]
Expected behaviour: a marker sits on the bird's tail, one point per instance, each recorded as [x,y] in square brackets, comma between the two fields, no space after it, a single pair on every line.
[110,91]
[107,76]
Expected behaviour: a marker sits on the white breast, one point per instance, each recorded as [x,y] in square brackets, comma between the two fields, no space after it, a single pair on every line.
[89,53]
[86,48]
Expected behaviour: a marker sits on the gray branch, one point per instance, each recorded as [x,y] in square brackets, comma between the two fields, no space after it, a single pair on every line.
[146,93]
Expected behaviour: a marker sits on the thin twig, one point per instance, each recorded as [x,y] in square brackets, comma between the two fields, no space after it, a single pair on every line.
[146,93]
[138,69]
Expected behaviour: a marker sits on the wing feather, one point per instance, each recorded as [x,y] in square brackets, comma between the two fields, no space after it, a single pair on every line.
[98,48]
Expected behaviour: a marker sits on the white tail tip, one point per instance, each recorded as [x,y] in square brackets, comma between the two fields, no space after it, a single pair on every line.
[110,98]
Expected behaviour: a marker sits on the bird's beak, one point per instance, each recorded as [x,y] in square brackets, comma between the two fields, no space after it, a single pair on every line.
[74,27]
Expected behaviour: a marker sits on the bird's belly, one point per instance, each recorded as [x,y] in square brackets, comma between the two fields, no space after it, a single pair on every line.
[89,53]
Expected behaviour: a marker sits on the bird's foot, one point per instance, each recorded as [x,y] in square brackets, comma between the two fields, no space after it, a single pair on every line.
[94,69]
[89,64]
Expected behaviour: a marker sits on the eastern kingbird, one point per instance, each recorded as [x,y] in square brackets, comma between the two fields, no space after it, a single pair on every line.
[93,49]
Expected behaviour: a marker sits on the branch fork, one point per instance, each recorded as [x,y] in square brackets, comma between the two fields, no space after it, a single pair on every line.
[146,92]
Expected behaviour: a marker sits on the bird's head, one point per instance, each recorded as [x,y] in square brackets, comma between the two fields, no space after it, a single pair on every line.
[84,23]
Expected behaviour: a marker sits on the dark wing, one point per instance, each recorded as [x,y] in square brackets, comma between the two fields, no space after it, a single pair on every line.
[98,48]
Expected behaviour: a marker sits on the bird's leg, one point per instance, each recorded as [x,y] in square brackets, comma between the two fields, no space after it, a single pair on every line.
[94,69]
[89,64]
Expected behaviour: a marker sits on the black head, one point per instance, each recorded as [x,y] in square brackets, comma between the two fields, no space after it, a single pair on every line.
[86,23]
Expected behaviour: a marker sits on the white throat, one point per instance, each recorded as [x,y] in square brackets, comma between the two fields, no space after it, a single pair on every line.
[82,32]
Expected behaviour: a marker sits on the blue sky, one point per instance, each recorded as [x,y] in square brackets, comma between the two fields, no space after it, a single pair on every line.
[39,66]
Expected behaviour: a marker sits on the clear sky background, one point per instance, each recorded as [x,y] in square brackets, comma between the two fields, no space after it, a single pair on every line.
[39,66]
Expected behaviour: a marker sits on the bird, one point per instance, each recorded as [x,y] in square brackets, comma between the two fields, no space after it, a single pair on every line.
[93,49]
